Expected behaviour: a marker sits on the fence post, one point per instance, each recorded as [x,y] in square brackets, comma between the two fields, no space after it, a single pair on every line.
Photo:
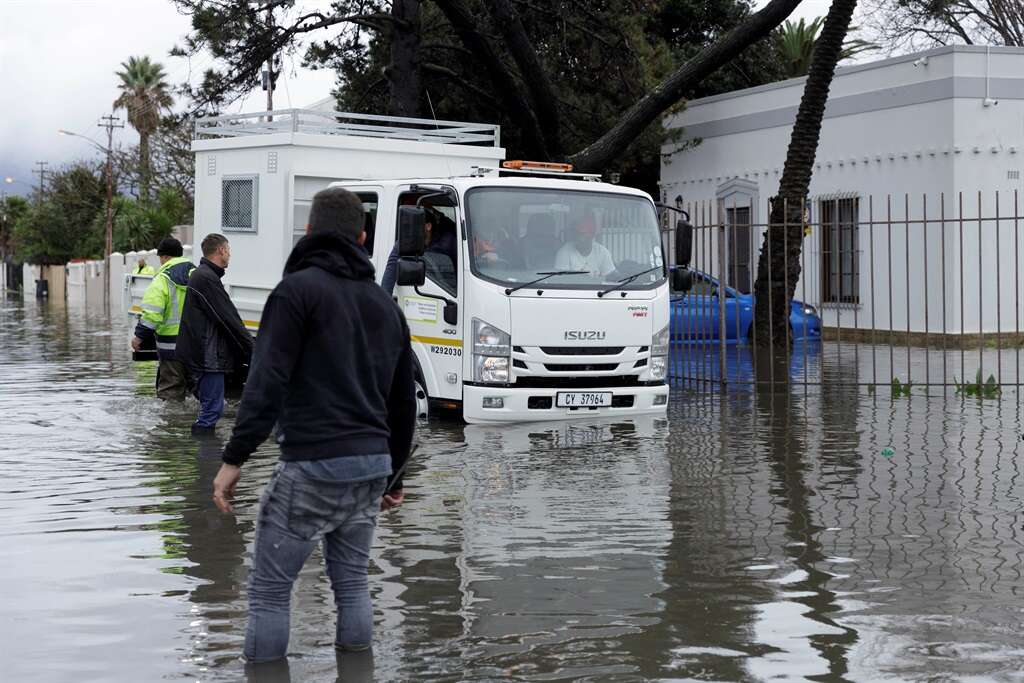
[721,301]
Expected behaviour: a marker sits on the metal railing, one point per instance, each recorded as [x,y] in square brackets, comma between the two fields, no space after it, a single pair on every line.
[891,291]
[315,122]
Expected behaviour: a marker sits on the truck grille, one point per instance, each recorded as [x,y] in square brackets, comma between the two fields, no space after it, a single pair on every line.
[578,367]
[604,381]
[582,350]
[589,367]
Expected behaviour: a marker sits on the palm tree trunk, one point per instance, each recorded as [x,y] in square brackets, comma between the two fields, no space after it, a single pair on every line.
[778,267]
[144,169]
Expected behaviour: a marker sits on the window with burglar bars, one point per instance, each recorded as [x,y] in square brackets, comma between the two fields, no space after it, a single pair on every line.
[840,259]
[238,204]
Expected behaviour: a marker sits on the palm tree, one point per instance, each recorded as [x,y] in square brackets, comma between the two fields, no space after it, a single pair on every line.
[144,95]
[778,267]
[796,45]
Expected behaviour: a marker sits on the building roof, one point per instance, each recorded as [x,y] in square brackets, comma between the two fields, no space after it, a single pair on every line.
[871,86]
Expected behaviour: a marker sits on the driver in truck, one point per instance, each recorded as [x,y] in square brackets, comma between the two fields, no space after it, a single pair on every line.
[583,253]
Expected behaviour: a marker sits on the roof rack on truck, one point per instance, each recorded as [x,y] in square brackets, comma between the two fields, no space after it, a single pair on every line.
[316,122]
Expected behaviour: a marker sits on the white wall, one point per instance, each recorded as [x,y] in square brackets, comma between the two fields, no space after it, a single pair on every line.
[293,166]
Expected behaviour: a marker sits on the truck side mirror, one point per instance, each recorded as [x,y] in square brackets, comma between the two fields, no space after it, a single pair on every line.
[451,313]
[684,241]
[411,231]
[682,280]
[412,272]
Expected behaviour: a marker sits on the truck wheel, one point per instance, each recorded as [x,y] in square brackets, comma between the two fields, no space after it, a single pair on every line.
[422,400]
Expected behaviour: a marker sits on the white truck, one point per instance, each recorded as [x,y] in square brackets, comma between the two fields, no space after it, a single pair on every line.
[513,321]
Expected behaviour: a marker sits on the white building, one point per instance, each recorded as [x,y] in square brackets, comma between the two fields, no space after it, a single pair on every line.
[902,138]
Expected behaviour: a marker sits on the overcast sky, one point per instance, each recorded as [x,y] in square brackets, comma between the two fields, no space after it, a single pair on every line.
[57,64]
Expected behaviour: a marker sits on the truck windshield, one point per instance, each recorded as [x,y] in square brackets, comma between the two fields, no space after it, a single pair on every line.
[517,235]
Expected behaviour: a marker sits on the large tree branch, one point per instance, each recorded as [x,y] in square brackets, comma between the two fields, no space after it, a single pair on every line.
[536,78]
[509,92]
[599,154]
[461,81]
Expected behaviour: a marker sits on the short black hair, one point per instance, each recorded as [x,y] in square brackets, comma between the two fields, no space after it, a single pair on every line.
[211,243]
[169,247]
[337,210]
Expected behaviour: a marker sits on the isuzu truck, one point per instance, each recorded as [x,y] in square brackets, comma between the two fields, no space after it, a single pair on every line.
[531,293]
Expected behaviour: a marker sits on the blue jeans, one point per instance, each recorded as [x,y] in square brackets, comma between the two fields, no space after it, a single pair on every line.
[210,391]
[335,500]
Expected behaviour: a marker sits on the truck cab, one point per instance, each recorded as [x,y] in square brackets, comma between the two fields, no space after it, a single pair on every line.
[538,296]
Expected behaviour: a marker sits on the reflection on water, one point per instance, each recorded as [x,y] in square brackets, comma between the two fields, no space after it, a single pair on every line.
[832,535]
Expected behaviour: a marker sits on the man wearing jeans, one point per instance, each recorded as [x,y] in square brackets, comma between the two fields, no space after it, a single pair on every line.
[212,340]
[333,369]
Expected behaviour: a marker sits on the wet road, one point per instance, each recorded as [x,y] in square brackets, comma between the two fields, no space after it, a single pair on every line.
[743,538]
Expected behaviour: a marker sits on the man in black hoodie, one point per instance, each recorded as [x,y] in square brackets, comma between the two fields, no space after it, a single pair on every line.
[212,341]
[333,369]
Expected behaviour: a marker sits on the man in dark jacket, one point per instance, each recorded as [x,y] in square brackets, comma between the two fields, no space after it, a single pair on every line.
[334,370]
[212,340]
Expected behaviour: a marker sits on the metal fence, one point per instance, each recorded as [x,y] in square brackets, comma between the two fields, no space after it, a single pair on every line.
[893,291]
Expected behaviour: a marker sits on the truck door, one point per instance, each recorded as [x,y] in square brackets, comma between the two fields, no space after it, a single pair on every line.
[437,342]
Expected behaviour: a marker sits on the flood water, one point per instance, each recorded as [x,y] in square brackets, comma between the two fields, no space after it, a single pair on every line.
[826,535]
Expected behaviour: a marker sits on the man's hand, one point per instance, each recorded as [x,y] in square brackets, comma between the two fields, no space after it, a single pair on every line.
[224,486]
[392,500]
[136,344]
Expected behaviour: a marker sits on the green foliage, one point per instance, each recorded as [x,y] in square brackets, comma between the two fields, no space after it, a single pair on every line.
[60,227]
[11,210]
[600,56]
[139,226]
[795,44]
[144,93]
[70,221]
[979,389]
[899,389]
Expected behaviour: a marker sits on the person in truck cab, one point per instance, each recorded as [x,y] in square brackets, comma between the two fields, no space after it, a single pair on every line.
[440,241]
[162,304]
[583,253]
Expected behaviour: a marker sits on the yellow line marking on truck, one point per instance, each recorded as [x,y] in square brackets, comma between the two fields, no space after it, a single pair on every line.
[437,341]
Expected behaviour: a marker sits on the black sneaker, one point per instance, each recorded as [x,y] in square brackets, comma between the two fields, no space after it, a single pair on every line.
[198,430]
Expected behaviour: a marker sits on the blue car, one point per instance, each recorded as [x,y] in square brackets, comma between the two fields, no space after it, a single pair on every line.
[694,315]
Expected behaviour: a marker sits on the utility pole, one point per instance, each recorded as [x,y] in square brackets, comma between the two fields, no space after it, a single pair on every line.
[268,75]
[109,122]
[4,233]
[42,179]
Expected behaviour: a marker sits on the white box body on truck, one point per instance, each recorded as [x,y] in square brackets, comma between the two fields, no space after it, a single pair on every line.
[588,341]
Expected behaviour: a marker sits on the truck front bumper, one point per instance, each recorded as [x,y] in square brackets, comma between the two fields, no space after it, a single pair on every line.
[532,405]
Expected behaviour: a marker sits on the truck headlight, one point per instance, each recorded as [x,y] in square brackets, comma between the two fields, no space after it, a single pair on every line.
[659,353]
[492,350]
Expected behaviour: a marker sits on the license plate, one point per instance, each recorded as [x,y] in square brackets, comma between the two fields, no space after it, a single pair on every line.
[583,399]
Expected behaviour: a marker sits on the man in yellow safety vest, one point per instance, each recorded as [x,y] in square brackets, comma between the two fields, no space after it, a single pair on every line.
[143,268]
[161,316]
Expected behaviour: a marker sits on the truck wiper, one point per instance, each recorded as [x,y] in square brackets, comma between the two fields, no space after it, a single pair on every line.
[510,290]
[627,280]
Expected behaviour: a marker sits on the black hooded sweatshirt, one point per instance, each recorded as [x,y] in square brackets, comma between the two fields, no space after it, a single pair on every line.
[333,366]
